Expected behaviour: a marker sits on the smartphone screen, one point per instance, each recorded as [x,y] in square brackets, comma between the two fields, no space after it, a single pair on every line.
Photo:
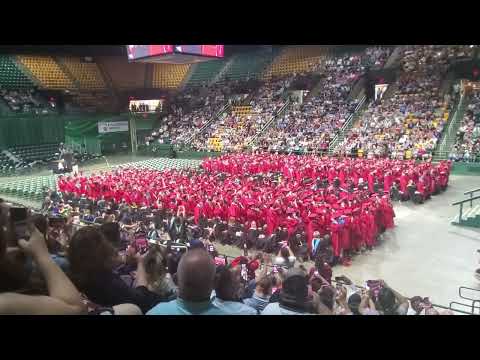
[18,218]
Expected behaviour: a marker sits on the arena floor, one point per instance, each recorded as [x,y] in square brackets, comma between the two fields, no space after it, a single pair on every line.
[424,255]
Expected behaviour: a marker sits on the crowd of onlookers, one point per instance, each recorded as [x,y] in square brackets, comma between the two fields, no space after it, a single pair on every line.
[124,262]
[329,108]
[235,130]
[190,110]
[25,101]
[409,123]
[312,125]
[406,124]
[467,142]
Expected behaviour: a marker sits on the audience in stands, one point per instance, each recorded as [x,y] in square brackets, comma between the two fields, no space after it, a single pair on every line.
[25,101]
[312,125]
[408,124]
[467,142]
[234,130]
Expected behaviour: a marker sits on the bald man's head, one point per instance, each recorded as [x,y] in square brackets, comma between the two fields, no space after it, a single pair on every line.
[196,275]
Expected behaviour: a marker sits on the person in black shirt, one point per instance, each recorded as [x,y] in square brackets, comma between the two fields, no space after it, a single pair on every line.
[92,259]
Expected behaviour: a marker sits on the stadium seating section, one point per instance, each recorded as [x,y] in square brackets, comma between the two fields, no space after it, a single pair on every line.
[30,188]
[11,76]
[215,144]
[247,65]
[242,110]
[162,163]
[296,59]
[6,165]
[44,152]
[87,74]
[169,76]
[47,71]
[204,72]
[124,75]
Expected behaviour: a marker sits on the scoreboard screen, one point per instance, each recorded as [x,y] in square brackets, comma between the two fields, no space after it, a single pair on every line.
[180,53]
[203,50]
[142,51]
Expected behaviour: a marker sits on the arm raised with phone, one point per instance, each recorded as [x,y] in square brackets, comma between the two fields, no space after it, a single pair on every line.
[63,298]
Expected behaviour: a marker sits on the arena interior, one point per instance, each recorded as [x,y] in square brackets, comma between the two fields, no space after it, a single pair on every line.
[240,180]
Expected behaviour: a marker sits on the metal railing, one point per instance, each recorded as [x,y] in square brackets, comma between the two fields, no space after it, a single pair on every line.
[224,109]
[471,192]
[333,143]
[451,128]
[269,123]
[460,220]
[473,306]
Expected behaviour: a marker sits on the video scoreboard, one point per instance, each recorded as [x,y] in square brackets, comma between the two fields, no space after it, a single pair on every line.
[176,54]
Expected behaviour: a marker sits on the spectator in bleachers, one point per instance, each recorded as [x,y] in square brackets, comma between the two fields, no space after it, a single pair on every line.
[228,292]
[196,278]
[293,296]
[467,143]
[311,126]
[409,123]
[24,101]
[92,259]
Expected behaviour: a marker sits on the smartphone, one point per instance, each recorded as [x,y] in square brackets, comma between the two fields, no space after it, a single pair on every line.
[18,217]
[244,272]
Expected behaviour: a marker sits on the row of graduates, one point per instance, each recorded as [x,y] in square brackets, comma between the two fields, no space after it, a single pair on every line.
[353,218]
[427,178]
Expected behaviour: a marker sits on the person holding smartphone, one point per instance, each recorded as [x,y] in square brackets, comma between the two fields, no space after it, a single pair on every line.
[62,297]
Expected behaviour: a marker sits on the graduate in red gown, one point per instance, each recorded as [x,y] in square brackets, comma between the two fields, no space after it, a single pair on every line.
[289,201]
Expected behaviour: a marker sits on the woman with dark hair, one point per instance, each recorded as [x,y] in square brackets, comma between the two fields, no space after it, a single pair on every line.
[391,302]
[159,280]
[111,231]
[92,259]
[285,258]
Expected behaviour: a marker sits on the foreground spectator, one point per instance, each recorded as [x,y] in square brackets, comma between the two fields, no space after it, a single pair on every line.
[92,259]
[62,299]
[293,296]
[391,302]
[228,291]
[196,277]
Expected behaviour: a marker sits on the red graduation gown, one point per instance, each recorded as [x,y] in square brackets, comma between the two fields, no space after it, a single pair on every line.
[336,231]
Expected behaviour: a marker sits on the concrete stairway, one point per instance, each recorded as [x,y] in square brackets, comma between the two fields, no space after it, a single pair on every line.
[470,217]
[449,136]
[395,57]
[269,123]
[357,114]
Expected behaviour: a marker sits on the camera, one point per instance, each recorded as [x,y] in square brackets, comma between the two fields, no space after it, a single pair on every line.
[18,218]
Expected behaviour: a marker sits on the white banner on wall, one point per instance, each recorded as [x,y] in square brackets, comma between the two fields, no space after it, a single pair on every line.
[380,90]
[109,127]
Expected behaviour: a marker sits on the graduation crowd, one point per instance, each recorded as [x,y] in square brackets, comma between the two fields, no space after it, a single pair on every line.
[139,241]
